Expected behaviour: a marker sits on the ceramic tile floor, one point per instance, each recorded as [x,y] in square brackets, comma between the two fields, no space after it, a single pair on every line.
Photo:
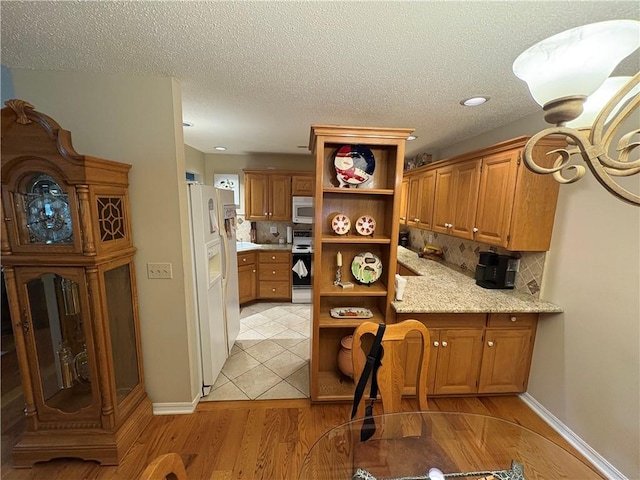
[270,358]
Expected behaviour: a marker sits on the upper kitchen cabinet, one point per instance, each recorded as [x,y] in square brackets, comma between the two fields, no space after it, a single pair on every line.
[418,199]
[302,184]
[267,195]
[516,207]
[456,194]
[488,196]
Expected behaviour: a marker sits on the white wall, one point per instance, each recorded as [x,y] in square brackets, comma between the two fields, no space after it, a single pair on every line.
[586,363]
[138,120]
[195,162]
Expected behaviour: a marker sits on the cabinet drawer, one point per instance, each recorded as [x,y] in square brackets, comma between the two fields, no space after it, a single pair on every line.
[274,271]
[512,319]
[275,290]
[274,257]
[246,258]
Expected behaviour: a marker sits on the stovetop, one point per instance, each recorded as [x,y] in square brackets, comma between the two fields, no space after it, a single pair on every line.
[302,241]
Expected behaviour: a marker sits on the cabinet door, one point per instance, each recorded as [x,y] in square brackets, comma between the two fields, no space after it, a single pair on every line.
[404,196]
[427,188]
[247,276]
[302,185]
[465,198]
[505,361]
[413,200]
[495,198]
[256,196]
[443,200]
[280,193]
[458,363]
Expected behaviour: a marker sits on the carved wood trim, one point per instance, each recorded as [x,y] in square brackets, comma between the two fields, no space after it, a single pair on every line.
[89,247]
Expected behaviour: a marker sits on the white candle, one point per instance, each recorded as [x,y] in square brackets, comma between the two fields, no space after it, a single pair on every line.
[339,259]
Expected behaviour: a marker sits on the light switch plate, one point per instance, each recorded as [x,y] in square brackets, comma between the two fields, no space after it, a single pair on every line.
[159,270]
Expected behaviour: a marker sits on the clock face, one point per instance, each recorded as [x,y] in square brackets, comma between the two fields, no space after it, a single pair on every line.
[48,216]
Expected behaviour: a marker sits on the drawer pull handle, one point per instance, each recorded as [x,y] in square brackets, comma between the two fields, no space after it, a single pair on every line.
[444,344]
[513,319]
[490,344]
[273,272]
[273,289]
[273,258]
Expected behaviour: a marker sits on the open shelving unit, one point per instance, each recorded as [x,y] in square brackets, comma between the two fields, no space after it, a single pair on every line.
[380,199]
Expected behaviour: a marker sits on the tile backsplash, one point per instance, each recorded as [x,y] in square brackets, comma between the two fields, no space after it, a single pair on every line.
[465,254]
[263,230]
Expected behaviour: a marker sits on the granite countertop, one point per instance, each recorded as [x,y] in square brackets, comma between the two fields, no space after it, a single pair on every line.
[441,289]
[248,246]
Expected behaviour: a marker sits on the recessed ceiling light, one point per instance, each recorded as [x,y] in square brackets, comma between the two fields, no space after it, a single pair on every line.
[474,101]
[220,148]
[187,124]
[411,137]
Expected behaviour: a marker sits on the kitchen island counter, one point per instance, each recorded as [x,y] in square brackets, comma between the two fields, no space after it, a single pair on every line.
[438,288]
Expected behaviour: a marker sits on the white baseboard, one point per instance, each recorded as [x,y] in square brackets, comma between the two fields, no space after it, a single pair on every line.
[176,408]
[597,460]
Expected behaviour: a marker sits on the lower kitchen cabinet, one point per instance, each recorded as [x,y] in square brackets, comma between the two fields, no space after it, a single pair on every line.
[247,277]
[455,360]
[507,351]
[475,353]
[274,275]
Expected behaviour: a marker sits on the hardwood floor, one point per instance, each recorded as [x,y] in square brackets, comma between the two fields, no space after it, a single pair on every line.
[244,440]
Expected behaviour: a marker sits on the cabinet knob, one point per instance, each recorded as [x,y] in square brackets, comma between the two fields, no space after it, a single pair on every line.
[273,289]
[273,272]
[273,257]
[436,344]
[444,344]
[244,259]
[513,319]
[490,344]
[416,219]
[254,270]
[475,230]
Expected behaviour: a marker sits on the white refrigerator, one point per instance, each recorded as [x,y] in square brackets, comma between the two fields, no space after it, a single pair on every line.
[213,247]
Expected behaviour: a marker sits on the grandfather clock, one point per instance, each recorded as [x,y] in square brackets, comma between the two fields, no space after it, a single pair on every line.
[67,257]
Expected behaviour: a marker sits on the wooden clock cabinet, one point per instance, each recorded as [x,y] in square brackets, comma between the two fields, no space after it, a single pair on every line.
[67,257]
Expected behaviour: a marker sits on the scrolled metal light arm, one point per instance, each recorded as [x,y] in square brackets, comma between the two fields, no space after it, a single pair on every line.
[594,145]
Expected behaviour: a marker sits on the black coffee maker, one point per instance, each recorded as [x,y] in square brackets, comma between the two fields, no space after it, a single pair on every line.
[404,239]
[497,271]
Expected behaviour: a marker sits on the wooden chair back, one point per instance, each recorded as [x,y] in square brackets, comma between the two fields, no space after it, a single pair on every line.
[394,367]
[165,467]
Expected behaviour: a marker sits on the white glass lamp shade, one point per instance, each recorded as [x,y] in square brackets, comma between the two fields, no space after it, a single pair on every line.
[577,61]
[598,99]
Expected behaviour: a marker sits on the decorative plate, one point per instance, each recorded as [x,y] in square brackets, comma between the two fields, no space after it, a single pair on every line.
[365,225]
[341,224]
[351,312]
[354,165]
[366,267]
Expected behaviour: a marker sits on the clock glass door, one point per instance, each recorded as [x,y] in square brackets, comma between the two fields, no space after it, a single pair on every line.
[58,337]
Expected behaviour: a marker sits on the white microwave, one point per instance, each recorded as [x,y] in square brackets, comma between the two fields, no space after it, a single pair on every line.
[302,211]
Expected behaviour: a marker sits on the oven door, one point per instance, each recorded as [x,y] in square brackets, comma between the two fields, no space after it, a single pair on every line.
[302,271]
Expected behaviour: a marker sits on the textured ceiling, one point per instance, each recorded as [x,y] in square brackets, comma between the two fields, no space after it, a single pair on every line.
[256,75]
